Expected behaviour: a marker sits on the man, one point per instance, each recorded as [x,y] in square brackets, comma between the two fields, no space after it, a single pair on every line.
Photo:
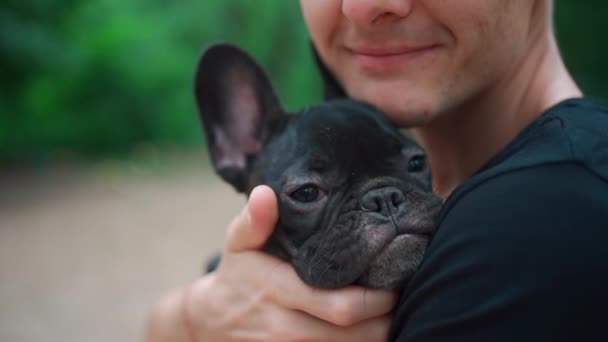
[519,250]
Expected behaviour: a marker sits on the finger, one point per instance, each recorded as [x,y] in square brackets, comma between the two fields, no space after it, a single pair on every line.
[344,307]
[253,226]
[300,326]
[376,329]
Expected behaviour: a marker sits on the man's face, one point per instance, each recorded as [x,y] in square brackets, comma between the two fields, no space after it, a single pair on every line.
[415,59]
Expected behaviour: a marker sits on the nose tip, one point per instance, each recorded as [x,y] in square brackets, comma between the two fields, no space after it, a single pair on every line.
[387,201]
[365,12]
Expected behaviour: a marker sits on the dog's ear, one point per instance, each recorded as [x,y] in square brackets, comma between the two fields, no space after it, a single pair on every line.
[237,105]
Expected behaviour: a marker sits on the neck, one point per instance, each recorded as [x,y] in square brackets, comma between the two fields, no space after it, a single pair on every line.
[460,142]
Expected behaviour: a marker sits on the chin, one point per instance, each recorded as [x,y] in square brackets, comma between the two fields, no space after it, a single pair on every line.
[395,266]
[410,118]
[407,111]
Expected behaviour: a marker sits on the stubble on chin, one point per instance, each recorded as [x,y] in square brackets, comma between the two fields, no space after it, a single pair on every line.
[404,111]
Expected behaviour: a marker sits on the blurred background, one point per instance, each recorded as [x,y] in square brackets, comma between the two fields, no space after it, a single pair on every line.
[106,196]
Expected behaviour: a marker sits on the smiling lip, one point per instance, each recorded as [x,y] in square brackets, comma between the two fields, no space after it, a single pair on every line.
[386,59]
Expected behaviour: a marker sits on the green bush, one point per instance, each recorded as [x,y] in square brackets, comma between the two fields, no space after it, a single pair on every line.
[102,76]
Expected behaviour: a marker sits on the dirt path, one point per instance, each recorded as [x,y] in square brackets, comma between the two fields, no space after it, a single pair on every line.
[84,254]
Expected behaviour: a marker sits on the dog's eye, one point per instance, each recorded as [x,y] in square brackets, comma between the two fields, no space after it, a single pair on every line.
[416,164]
[306,194]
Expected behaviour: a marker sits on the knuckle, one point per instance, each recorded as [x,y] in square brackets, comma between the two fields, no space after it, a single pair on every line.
[342,313]
[199,297]
[268,292]
[164,308]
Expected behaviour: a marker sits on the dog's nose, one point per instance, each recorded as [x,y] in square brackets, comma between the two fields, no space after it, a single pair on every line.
[386,201]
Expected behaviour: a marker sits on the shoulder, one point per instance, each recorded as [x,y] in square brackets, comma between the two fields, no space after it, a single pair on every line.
[575,130]
[555,174]
[521,247]
[527,220]
[540,192]
[516,257]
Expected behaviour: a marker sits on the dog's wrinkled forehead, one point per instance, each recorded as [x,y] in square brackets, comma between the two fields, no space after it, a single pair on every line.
[333,138]
[345,132]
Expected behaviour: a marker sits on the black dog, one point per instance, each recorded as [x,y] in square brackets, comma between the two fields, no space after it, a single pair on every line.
[355,201]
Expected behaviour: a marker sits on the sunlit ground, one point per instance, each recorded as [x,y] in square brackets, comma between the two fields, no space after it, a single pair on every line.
[86,250]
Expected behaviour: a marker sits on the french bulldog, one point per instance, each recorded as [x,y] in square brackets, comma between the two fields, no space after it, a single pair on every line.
[354,194]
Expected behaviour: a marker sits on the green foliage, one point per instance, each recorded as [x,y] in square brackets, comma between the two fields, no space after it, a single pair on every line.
[101,77]
[581,30]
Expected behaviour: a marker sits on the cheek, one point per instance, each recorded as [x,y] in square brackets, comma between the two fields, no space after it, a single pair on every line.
[321,17]
[487,31]
[488,39]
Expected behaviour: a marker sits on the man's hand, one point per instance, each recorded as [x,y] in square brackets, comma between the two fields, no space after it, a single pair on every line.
[256,297]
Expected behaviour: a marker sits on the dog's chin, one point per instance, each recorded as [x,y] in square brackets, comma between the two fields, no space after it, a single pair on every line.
[396,264]
[389,263]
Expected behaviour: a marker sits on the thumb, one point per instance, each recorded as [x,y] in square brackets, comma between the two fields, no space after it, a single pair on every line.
[255,223]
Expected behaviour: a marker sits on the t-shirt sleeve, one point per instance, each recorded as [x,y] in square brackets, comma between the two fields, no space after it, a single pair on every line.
[521,257]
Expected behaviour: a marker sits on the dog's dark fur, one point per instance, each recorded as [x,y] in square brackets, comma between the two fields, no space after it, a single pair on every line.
[355,201]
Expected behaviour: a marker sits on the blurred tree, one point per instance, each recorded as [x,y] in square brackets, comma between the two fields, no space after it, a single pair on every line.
[100,77]
[581,30]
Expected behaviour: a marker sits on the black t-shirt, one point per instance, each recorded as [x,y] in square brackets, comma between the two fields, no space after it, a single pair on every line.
[521,251]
